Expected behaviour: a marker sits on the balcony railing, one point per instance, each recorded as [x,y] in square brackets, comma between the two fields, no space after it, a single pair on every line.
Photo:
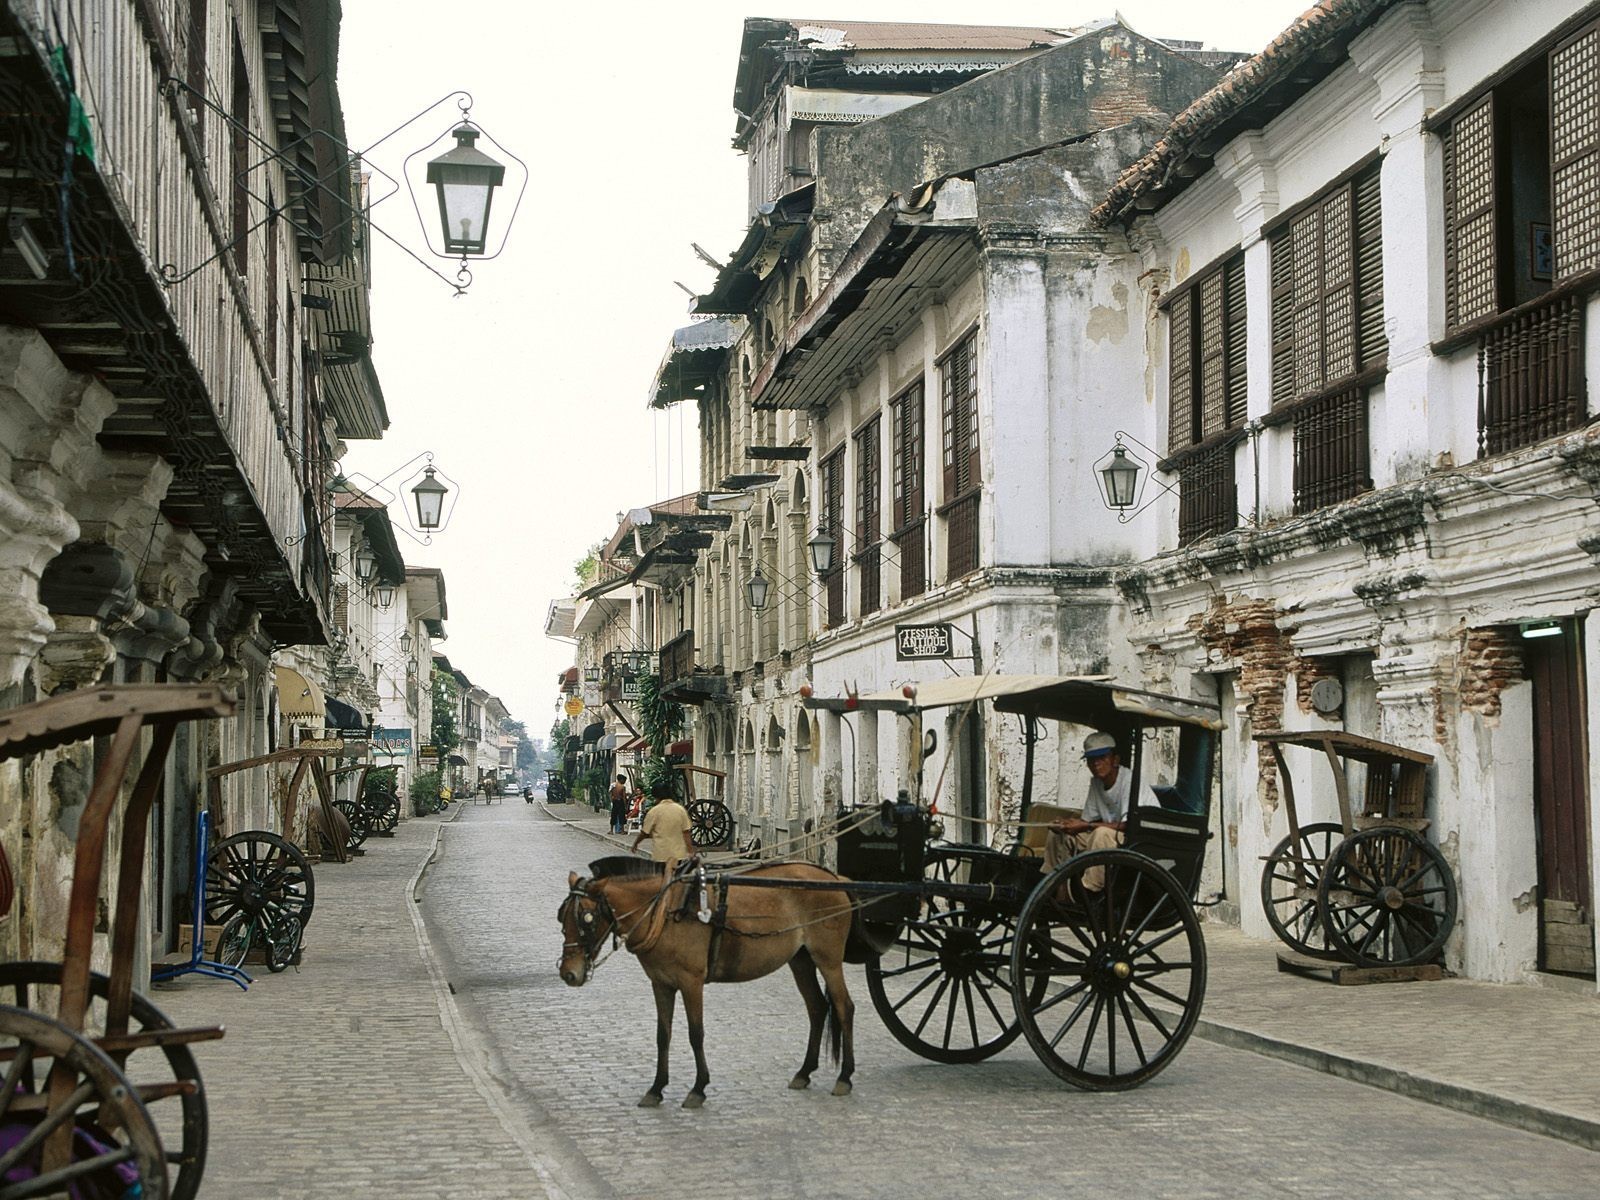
[961,529]
[1331,461]
[910,545]
[869,564]
[677,658]
[1207,495]
[833,583]
[1531,376]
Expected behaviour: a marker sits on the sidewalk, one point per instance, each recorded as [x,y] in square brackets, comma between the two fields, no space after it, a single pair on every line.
[1518,1054]
[349,1076]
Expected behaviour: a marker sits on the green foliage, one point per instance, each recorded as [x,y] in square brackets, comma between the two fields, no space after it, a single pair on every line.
[378,784]
[445,703]
[556,750]
[424,787]
[593,785]
[660,721]
[587,569]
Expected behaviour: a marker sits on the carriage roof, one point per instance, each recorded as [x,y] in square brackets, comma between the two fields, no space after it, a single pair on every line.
[1346,745]
[1094,700]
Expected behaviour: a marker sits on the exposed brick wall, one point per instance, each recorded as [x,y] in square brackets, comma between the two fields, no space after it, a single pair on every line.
[1490,662]
[1245,630]
[1307,671]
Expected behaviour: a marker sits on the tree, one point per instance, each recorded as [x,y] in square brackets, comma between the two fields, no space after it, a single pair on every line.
[587,569]
[559,733]
[445,703]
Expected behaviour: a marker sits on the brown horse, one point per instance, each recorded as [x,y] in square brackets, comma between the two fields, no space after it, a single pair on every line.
[762,929]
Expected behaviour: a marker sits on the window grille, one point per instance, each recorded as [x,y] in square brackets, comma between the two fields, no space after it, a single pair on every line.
[962,465]
[909,521]
[832,486]
[869,477]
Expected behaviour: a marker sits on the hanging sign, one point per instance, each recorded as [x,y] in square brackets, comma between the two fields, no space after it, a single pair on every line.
[574,706]
[921,641]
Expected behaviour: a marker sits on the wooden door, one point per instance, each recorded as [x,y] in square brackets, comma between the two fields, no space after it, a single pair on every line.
[1561,803]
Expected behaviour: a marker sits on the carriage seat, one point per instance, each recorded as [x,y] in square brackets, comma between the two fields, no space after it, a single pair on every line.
[1172,835]
[1031,844]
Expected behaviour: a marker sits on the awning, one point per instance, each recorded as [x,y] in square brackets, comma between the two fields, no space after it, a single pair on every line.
[297,695]
[573,743]
[631,745]
[609,742]
[455,760]
[593,732]
[344,716]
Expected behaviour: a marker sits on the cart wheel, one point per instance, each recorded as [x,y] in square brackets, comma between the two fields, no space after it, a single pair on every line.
[942,988]
[283,943]
[257,872]
[384,812]
[104,1106]
[233,943]
[1289,888]
[711,822]
[1123,971]
[1387,898]
[360,823]
[35,985]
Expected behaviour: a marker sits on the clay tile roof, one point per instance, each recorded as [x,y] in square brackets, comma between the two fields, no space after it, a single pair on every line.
[896,35]
[1292,57]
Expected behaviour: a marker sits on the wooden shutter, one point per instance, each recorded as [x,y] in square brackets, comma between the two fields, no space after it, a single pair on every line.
[1237,332]
[869,476]
[1305,237]
[833,502]
[1213,361]
[1470,285]
[959,404]
[1282,319]
[1575,152]
[1370,339]
[1180,368]
[1338,287]
[908,457]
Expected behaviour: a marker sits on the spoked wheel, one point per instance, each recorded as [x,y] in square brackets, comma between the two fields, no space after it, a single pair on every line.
[360,823]
[383,812]
[233,943]
[1123,970]
[943,988]
[1388,898]
[258,872]
[1289,888]
[114,1142]
[160,1079]
[710,823]
[282,943]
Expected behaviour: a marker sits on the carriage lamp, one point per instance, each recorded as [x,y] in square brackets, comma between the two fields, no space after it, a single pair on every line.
[821,547]
[755,590]
[406,642]
[465,179]
[1119,479]
[366,562]
[384,593]
[429,496]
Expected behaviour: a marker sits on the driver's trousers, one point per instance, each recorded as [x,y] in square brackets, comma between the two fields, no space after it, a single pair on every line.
[1058,847]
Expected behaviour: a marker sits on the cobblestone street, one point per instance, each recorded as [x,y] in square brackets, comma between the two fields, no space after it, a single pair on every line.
[1220,1122]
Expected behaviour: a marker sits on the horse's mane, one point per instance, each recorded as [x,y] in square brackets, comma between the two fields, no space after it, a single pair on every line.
[623,866]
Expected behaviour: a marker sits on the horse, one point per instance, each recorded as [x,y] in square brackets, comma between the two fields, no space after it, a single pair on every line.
[756,931]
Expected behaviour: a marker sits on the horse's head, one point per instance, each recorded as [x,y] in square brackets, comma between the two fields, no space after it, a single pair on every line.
[586,920]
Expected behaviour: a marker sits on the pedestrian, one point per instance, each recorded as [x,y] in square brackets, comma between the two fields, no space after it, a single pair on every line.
[619,804]
[667,826]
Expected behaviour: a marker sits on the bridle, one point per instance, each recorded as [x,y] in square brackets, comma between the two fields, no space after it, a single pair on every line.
[591,926]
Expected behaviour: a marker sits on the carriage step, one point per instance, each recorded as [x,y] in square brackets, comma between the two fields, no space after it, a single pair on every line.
[1350,975]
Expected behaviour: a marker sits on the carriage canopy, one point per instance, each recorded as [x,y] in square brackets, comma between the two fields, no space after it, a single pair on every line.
[1080,699]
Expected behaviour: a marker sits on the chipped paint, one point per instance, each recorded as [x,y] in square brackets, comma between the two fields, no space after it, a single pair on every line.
[1109,322]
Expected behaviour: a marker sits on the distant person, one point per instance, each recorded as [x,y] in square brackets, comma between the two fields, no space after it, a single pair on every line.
[667,826]
[619,804]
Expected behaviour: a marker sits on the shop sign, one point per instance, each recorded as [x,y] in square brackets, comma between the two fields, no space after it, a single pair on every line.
[921,641]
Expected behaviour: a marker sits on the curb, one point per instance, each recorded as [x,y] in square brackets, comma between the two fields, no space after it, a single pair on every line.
[1518,1114]
[607,838]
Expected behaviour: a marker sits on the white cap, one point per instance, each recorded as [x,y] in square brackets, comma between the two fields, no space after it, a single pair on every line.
[1097,744]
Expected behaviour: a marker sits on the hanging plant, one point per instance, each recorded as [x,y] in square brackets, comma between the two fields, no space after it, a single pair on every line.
[660,721]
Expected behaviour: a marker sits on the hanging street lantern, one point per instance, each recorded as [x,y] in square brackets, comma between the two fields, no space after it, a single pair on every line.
[465,178]
[429,495]
[384,593]
[406,642]
[366,563]
[821,547]
[1119,479]
[755,590]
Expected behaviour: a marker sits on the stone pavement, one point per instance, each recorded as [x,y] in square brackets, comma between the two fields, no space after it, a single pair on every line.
[1522,1055]
[350,1076]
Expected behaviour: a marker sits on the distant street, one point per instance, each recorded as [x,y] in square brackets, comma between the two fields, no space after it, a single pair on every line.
[1219,1123]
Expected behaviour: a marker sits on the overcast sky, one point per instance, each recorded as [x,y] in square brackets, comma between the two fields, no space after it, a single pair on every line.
[531,389]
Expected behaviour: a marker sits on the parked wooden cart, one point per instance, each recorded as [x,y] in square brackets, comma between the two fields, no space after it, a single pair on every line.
[1370,890]
[711,821]
[82,1090]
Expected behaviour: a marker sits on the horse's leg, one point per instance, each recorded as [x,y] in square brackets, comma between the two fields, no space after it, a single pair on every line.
[843,1011]
[666,1000]
[805,978]
[694,1013]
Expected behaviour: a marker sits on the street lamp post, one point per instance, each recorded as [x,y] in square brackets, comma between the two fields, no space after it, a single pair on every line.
[429,496]
[366,563]
[821,547]
[1119,479]
[756,590]
[465,179]
[384,593]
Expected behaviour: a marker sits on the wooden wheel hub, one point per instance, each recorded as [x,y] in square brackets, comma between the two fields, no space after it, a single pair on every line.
[1392,898]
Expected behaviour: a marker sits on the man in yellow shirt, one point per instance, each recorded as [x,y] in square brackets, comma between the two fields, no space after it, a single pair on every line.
[667,826]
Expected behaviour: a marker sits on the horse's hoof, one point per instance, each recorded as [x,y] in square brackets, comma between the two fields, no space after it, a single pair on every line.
[693,1100]
[650,1100]
[799,1083]
[842,1088]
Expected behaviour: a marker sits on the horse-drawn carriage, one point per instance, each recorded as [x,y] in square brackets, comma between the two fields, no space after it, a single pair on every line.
[967,946]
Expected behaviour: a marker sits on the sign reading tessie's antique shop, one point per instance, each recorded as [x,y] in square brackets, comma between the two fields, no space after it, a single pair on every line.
[921,641]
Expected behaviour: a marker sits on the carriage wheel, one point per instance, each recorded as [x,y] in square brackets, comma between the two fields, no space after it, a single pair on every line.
[942,988]
[258,872]
[103,1107]
[711,822]
[1388,898]
[1289,888]
[383,812]
[282,943]
[1123,971]
[35,985]
[360,823]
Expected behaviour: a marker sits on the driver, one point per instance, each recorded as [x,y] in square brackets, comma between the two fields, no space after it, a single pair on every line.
[1105,811]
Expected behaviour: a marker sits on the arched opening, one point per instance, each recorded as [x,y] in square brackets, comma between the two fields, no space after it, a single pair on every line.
[802,295]
[777,789]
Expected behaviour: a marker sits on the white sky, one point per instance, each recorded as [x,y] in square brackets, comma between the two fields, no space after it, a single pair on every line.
[531,389]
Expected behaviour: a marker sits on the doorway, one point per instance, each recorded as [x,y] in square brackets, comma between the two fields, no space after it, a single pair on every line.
[1561,801]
